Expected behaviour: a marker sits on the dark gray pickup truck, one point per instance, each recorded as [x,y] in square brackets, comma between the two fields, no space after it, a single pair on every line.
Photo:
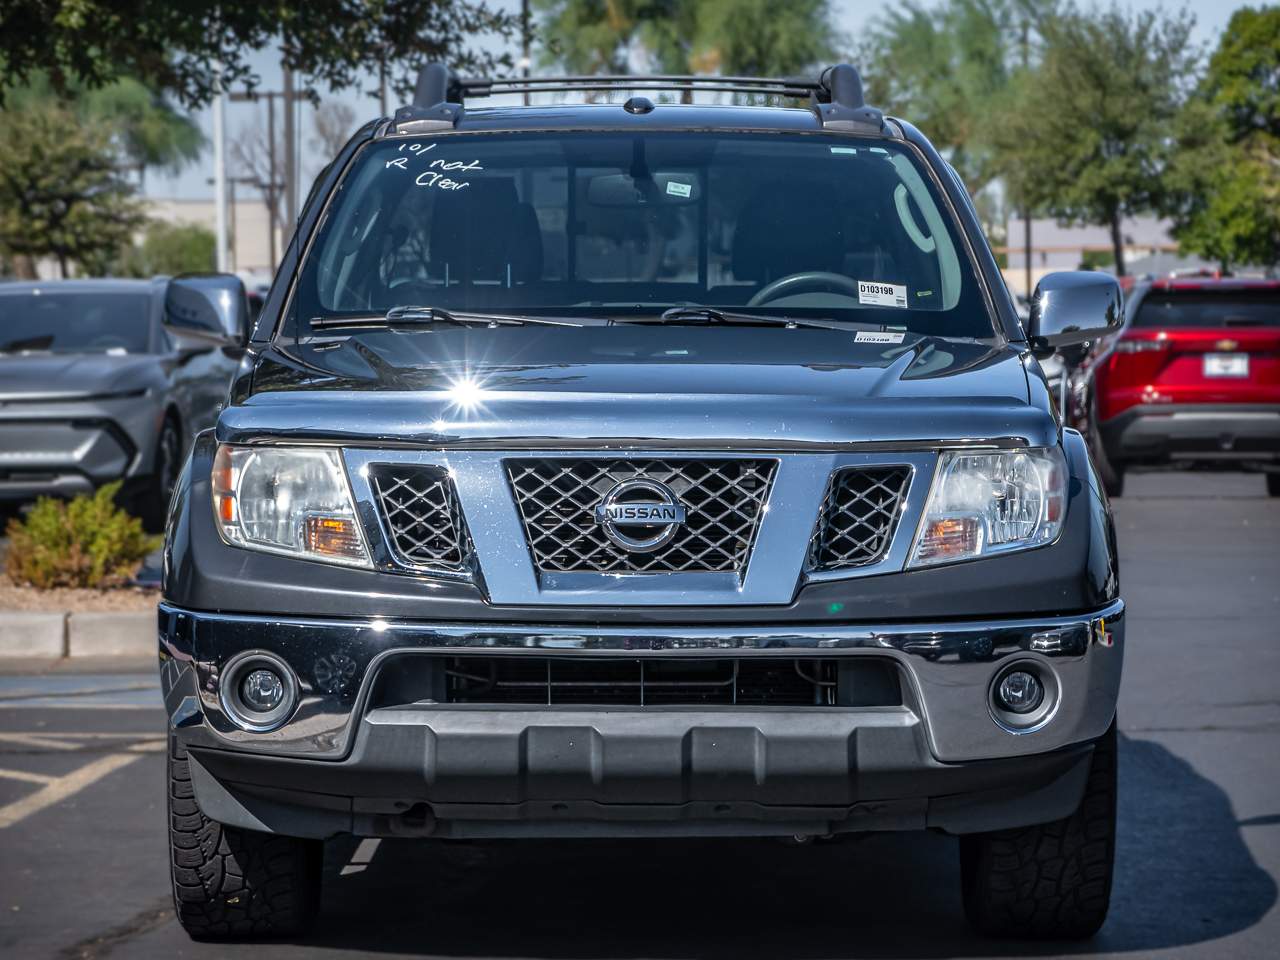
[651,470]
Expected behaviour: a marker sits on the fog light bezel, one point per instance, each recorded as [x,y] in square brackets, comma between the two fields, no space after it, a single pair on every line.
[240,713]
[1032,720]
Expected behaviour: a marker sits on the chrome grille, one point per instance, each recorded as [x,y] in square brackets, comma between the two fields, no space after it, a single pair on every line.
[724,500]
[859,514]
[423,518]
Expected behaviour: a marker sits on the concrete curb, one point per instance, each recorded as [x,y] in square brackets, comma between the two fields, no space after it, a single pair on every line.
[58,634]
[33,634]
[111,634]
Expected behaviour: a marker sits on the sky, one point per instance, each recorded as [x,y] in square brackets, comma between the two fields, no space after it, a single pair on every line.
[193,182]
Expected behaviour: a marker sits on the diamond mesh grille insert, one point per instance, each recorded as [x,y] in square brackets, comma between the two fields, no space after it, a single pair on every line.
[859,514]
[557,498]
[422,514]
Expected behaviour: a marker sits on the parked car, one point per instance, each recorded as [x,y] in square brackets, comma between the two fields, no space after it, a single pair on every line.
[644,470]
[1193,380]
[100,380]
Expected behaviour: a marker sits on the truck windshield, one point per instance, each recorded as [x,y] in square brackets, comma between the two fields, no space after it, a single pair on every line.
[621,225]
[53,322]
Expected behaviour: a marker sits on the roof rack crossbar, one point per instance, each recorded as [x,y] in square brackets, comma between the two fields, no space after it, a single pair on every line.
[623,80]
[640,85]
[836,96]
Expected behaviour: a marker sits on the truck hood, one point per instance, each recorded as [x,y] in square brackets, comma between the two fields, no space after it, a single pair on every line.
[70,377]
[632,385]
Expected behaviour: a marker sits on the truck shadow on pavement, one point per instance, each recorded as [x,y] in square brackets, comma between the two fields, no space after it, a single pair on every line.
[1184,877]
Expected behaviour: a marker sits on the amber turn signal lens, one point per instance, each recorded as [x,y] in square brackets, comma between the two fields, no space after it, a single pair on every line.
[949,537]
[223,481]
[335,536]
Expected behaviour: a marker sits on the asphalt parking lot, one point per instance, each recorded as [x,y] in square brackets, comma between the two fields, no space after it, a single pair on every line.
[83,869]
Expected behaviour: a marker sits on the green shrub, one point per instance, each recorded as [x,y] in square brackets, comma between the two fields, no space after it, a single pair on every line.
[87,542]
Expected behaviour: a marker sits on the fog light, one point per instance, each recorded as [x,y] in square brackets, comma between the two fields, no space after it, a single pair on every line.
[1019,692]
[262,690]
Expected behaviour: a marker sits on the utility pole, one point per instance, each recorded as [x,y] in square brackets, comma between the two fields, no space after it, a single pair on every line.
[273,187]
[382,83]
[290,157]
[524,43]
[220,175]
[234,262]
[1026,207]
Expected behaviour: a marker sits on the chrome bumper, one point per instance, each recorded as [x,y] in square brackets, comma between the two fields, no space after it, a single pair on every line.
[947,670]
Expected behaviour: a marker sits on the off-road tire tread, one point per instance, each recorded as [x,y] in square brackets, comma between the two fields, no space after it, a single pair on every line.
[230,883]
[1051,881]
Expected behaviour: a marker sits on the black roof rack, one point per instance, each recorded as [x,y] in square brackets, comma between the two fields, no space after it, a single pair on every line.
[836,96]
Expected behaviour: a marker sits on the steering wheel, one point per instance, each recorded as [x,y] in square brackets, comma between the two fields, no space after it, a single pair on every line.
[810,281]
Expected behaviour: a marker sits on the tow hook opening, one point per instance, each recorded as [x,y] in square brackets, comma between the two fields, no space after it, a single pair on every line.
[418,821]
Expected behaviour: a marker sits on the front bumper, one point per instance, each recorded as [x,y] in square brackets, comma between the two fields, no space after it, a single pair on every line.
[1194,432]
[66,448]
[366,757]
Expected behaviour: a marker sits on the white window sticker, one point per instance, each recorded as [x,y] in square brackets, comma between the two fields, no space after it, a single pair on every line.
[679,189]
[878,336]
[882,294]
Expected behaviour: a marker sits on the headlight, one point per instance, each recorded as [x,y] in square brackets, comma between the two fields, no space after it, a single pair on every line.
[985,503]
[292,500]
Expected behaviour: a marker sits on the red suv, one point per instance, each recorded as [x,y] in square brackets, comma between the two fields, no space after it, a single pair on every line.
[1193,378]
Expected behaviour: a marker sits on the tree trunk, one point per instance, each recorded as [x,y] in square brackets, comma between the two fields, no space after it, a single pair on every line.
[1117,242]
[62,265]
[24,267]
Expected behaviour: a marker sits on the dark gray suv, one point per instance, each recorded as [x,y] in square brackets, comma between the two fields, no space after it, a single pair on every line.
[101,381]
[644,469]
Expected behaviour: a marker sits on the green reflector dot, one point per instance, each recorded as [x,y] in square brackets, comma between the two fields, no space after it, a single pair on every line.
[835,607]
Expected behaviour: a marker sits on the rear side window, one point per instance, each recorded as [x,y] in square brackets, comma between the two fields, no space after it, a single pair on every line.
[1228,308]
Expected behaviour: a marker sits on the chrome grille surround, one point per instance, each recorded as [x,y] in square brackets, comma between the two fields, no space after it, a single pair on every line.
[859,516]
[505,576]
[724,498]
[421,515]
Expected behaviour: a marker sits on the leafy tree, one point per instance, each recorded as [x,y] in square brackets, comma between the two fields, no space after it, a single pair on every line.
[1227,178]
[61,192]
[952,68]
[175,47]
[1092,123]
[169,248]
[763,38]
[146,130]
[757,37]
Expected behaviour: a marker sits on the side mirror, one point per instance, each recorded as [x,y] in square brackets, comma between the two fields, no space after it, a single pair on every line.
[209,307]
[1070,308]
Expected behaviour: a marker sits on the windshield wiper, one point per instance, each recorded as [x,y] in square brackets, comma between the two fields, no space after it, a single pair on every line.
[415,316]
[714,315]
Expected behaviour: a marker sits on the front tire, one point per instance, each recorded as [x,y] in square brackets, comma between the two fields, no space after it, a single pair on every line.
[1273,484]
[1110,472]
[153,502]
[1051,881]
[230,883]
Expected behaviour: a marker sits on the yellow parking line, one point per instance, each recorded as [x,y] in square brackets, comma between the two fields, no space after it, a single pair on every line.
[147,746]
[64,787]
[26,777]
[38,740]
